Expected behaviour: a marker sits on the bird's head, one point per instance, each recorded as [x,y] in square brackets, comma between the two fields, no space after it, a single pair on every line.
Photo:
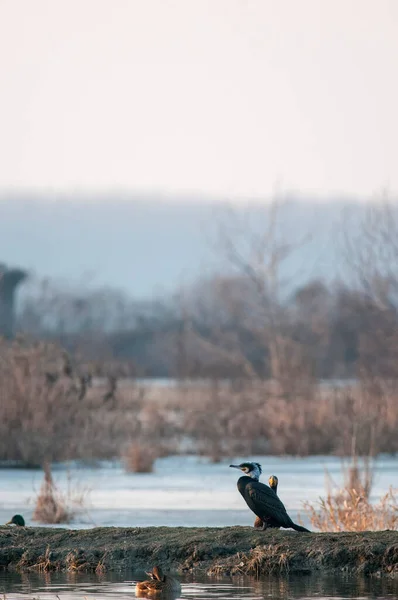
[273,482]
[156,574]
[252,469]
[17,520]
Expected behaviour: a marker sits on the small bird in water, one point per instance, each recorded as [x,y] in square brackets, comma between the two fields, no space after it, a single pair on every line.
[273,484]
[17,520]
[262,500]
[159,583]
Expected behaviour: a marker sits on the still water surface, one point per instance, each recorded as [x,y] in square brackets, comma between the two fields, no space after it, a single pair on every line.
[188,491]
[72,586]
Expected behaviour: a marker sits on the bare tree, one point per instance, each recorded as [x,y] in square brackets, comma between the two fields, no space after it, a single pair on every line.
[371,253]
[240,319]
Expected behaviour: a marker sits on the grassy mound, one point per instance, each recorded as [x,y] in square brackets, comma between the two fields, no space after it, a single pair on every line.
[216,551]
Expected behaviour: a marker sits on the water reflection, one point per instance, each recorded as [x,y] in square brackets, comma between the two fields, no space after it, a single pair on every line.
[77,586]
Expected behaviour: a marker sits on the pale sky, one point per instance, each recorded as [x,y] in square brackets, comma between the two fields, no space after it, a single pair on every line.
[228,97]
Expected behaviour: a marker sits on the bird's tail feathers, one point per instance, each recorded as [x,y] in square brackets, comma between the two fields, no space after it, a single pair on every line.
[300,528]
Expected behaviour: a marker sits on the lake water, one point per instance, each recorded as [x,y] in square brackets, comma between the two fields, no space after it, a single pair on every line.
[71,586]
[182,490]
[189,491]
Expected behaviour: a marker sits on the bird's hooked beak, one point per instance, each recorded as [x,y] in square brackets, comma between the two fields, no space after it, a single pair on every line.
[235,467]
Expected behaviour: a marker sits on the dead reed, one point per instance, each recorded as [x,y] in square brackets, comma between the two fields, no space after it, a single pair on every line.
[349,508]
[267,558]
[53,506]
[259,418]
[140,458]
[44,415]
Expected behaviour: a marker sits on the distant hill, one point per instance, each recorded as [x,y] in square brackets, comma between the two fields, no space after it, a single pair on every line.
[150,244]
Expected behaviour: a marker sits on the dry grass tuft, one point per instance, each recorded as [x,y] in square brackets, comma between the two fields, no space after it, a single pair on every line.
[100,569]
[52,506]
[359,477]
[350,509]
[44,564]
[259,560]
[76,561]
[140,457]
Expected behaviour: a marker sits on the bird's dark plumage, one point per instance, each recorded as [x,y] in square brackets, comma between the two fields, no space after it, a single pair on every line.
[262,500]
[273,484]
[17,520]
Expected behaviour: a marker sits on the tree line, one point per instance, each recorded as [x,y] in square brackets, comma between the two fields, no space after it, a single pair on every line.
[244,320]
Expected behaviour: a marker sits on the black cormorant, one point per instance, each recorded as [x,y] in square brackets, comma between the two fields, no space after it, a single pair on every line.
[159,583]
[262,500]
[17,520]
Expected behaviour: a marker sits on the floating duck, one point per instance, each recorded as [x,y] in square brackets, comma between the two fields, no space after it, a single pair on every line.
[159,583]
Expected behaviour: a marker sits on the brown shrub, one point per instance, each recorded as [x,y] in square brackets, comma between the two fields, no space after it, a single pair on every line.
[52,506]
[349,508]
[45,417]
[140,457]
[259,418]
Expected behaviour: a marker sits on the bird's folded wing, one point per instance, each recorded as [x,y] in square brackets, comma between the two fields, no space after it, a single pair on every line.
[264,497]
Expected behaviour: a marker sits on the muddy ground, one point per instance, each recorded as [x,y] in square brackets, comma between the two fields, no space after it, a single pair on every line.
[215,551]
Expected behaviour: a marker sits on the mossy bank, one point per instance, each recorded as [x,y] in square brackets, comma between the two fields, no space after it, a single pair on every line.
[215,551]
